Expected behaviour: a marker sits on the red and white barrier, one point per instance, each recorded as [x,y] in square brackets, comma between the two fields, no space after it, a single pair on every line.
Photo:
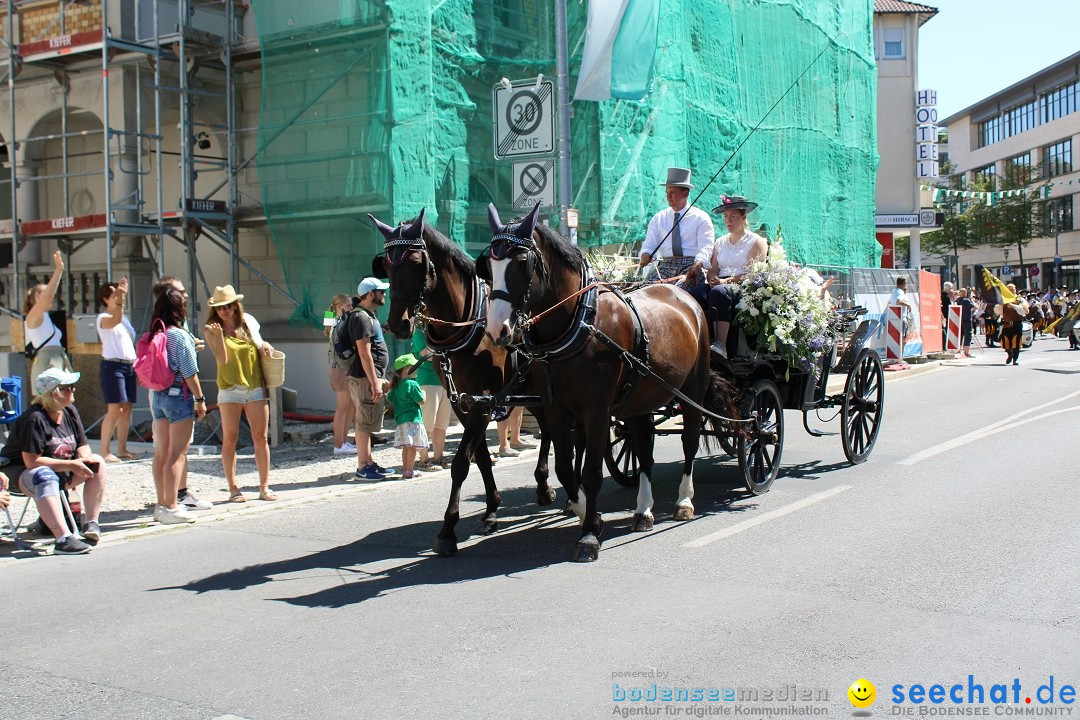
[894,333]
[952,330]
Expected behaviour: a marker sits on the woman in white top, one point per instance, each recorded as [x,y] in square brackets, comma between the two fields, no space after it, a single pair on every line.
[117,375]
[38,326]
[727,261]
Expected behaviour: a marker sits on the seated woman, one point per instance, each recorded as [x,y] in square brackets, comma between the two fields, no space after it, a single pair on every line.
[49,448]
[726,263]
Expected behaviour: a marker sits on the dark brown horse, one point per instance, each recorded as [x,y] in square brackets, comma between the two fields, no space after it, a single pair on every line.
[429,273]
[594,348]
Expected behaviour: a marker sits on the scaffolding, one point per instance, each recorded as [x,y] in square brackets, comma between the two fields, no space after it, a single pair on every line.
[151,55]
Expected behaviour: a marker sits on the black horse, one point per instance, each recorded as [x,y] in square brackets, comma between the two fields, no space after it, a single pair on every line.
[431,275]
[599,351]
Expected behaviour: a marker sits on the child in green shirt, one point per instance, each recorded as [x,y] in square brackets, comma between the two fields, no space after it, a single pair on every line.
[407,397]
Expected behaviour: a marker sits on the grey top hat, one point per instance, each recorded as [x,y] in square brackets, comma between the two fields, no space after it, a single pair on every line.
[679,177]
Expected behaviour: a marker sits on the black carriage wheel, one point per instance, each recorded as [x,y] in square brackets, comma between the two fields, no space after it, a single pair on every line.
[861,412]
[759,454]
[620,458]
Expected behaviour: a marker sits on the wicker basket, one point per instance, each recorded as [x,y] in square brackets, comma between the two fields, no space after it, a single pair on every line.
[273,368]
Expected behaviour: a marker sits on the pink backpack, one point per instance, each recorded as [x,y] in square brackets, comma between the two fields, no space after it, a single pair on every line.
[152,360]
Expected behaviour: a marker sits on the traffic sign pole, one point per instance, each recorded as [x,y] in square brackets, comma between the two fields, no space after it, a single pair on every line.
[562,80]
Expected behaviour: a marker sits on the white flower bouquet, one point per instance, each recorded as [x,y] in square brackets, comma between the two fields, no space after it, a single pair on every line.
[613,268]
[781,311]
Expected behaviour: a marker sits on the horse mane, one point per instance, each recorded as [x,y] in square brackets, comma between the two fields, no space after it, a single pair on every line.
[457,257]
[564,251]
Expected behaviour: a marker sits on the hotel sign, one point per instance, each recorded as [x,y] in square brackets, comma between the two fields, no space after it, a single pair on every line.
[926,133]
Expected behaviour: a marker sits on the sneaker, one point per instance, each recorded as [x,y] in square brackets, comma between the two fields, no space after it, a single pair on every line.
[384,471]
[508,452]
[369,472]
[719,349]
[175,517]
[70,545]
[91,532]
[157,513]
[345,449]
[188,500]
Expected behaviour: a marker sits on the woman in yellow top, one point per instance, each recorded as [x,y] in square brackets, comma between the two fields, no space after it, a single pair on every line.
[233,336]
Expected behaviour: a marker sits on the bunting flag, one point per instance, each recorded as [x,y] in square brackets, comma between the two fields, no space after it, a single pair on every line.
[620,50]
[940,195]
[991,289]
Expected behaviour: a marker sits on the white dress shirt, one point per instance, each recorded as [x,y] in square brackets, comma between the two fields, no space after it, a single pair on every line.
[695,229]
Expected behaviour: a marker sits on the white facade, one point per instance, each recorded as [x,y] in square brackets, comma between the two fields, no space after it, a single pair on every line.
[896,50]
[1044,109]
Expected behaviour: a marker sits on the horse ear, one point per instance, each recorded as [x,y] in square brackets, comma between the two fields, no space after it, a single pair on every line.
[416,230]
[483,266]
[386,230]
[525,229]
[378,267]
[493,219]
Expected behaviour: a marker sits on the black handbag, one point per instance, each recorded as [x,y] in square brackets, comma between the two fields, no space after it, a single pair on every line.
[31,352]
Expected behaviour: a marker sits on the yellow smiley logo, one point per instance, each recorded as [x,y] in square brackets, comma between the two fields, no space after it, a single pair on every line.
[862,693]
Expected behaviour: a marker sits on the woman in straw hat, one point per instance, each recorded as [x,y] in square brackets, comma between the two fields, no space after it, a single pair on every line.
[233,336]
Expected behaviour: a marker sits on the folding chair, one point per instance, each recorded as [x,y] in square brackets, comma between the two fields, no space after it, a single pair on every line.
[16,492]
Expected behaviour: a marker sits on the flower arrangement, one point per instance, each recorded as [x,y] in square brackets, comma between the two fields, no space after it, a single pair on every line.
[613,268]
[781,311]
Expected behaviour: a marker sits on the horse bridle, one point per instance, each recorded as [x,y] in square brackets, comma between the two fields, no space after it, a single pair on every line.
[395,250]
[501,247]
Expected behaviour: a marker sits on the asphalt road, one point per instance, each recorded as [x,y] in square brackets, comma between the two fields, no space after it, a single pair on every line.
[951,553]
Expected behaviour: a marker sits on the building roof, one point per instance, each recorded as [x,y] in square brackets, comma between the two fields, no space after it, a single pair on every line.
[887,7]
[1031,81]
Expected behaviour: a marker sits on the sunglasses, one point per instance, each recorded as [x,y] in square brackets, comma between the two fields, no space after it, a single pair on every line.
[66,388]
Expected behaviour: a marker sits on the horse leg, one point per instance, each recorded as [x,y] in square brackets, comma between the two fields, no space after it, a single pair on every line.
[563,440]
[596,430]
[641,430]
[691,439]
[545,494]
[446,541]
[489,523]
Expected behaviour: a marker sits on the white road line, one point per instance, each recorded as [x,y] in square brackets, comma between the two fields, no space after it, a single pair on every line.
[765,517]
[978,435]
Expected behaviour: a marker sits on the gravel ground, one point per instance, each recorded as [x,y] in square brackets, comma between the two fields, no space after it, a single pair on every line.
[297,468]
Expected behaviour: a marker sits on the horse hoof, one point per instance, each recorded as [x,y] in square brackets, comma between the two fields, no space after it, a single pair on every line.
[642,523]
[587,550]
[545,497]
[684,513]
[487,527]
[445,547]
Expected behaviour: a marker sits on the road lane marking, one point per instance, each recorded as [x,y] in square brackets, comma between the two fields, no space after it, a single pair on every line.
[765,517]
[979,435]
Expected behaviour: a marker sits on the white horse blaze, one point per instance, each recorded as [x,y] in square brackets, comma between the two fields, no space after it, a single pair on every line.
[578,506]
[686,491]
[644,496]
[498,311]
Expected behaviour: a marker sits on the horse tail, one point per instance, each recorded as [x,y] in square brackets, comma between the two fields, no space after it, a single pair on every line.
[720,399]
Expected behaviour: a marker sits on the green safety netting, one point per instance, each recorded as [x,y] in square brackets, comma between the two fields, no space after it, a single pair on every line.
[386,107]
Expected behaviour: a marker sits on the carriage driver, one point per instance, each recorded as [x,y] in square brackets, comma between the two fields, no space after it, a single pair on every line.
[726,264]
[677,243]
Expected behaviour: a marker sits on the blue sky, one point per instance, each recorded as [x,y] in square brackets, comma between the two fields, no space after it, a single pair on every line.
[973,48]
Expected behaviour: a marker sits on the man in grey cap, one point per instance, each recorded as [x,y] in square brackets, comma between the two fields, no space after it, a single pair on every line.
[678,233]
[366,374]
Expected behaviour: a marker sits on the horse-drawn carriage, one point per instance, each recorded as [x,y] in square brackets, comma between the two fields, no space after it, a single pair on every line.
[767,386]
[598,357]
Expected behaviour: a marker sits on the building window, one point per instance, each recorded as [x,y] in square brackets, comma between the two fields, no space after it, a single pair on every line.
[1059,102]
[1019,169]
[894,43]
[987,173]
[1058,159]
[1059,214]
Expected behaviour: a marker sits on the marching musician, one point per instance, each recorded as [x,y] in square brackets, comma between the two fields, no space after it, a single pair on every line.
[1012,318]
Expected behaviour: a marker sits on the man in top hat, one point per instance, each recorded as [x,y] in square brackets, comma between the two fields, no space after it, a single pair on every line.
[678,233]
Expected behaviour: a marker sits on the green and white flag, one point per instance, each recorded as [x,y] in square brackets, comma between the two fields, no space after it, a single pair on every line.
[620,50]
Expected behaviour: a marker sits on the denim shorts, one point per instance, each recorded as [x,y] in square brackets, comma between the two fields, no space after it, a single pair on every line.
[239,394]
[174,408]
[117,381]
